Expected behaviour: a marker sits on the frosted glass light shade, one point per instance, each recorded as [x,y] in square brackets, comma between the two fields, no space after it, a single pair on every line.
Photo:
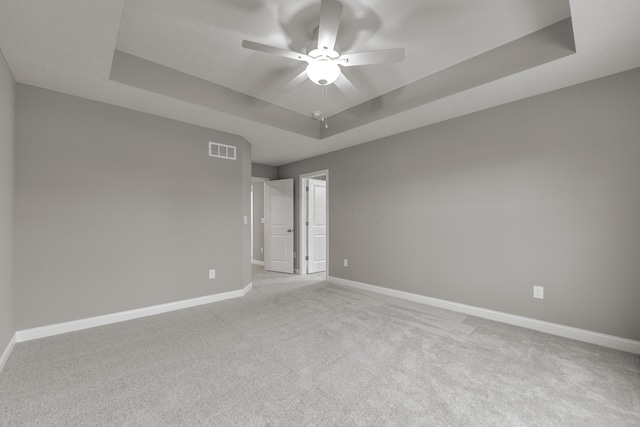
[323,72]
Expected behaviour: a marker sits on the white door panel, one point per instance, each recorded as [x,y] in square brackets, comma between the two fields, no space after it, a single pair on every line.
[278,225]
[317,230]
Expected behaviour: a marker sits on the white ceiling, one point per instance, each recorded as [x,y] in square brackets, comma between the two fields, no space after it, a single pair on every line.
[68,46]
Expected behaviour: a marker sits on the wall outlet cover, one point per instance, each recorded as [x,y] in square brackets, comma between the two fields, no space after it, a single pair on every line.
[538,292]
[212,273]
[345,262]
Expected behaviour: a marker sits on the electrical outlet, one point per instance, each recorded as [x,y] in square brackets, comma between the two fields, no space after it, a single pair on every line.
[538,292]
[246,220]
[345,262]
[212,273]
[261,249]
[262,220]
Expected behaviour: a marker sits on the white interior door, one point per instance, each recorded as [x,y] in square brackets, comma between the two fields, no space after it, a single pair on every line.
[278,225]
[317,229]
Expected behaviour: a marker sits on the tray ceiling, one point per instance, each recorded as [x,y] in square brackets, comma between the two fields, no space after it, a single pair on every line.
[184,60]
[203,38]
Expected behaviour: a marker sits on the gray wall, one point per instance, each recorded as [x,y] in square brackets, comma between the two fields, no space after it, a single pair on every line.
[7,141]
[117,210]
[264,171]
[478,209]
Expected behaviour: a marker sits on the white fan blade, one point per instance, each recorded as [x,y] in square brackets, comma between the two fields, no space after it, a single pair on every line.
[373,57]
[330,14]
[294,82]
[275,51]
[345,86]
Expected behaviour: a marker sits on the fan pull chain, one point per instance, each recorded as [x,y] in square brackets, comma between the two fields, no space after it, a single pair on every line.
[325,101]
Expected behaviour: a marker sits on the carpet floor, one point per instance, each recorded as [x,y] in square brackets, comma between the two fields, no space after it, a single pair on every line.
[299,351]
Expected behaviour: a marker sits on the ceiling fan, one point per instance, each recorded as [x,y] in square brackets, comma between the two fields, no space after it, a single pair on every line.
[324,59]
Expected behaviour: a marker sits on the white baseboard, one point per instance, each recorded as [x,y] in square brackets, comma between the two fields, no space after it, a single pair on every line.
[296,271]
[257,262]
[7,352]
[107,319]
[584,335]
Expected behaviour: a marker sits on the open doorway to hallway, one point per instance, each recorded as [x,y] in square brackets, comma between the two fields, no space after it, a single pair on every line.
[311,231]
[273,225]
[257,220]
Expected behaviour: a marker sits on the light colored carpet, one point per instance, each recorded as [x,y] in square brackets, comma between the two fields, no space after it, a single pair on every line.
[298,351]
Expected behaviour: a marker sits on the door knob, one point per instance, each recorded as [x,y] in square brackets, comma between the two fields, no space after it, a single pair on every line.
[289,230]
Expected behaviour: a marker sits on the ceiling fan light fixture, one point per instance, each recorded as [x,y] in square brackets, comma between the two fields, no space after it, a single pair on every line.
[323,72]
[323,56]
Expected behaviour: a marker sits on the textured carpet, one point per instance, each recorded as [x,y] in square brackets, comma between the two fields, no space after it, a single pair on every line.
[298,351]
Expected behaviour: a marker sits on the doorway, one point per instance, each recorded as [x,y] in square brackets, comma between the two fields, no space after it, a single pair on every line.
[314,223]
[257,220]
[278,226]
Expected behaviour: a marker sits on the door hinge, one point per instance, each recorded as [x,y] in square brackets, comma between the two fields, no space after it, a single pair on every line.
[307,188]
[306,258]
[306,223]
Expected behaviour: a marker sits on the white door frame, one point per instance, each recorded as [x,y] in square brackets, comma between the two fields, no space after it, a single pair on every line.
[302,209]
[255,179]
